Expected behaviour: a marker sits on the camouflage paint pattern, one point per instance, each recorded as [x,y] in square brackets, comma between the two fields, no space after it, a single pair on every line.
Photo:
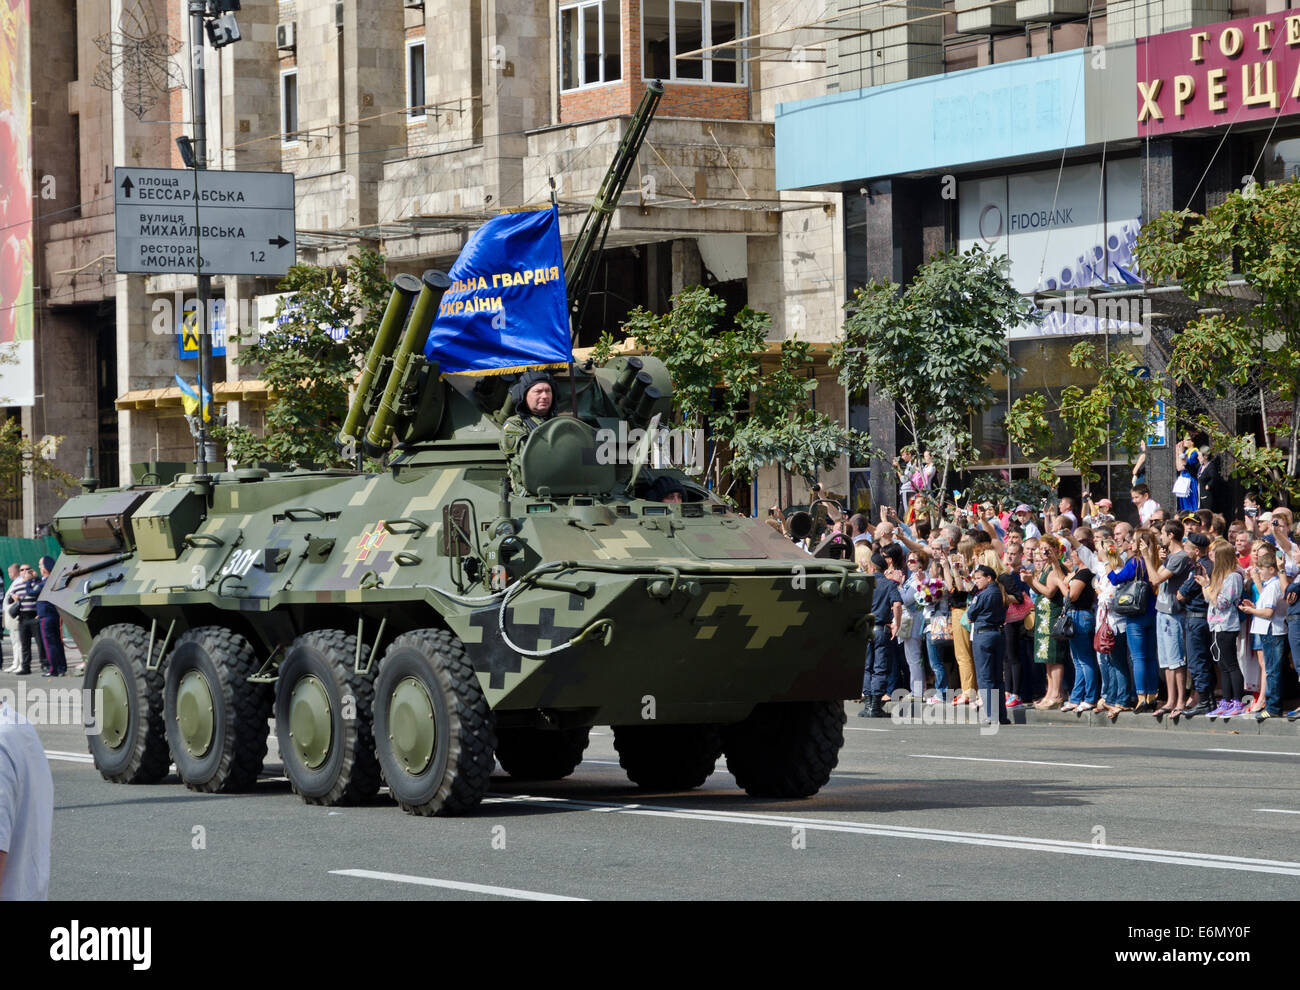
[706,612]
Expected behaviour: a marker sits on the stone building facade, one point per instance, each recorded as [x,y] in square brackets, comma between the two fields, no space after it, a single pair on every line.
[407,124]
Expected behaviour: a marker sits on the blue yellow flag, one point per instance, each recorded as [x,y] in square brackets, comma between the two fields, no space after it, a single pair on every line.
[506,308]
[190,399]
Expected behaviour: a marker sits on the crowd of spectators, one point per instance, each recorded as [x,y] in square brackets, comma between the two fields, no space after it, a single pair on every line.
[1175,613]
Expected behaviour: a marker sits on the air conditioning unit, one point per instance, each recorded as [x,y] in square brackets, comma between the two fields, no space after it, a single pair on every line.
[286,36]
[413,3]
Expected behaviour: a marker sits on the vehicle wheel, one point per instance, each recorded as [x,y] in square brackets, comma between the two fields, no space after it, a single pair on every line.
[323,720]
[541,754]
[785,749]
[433,729]
[668,757]
[131,745]
[216,719]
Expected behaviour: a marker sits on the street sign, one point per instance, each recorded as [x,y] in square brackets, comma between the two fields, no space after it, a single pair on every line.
[176,221]
[187,335]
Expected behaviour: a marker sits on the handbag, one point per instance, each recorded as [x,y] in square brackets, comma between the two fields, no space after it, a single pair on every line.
[1183,486]
[1063,628]
[1133,597]
[941,628]
[14,609]
[906,624]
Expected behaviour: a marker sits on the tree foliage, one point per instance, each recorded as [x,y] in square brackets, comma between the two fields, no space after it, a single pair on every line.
[761,416]
[21,457]
[1088,414]
[931,347]
[307,371]
[1242,348]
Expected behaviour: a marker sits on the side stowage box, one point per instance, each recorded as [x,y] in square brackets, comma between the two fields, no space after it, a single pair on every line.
[99,522]
[164,520]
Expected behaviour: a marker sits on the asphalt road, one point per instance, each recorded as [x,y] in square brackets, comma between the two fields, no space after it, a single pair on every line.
[912,812]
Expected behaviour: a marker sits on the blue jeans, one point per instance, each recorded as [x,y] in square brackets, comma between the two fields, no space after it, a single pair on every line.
[1198,656]
[1086,686]
[1117,677]
[1272,646]
[1141,635]
[934,653]
[1170,634]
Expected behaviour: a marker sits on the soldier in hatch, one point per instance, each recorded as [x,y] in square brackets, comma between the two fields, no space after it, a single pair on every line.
[666,489]
[534,396]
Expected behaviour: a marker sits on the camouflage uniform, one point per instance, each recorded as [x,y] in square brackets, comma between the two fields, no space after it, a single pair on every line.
[514,432]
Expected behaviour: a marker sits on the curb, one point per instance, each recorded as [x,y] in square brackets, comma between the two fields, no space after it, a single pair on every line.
[1277,727]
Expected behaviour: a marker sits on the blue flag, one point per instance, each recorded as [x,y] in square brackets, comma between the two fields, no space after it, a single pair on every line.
[506,308]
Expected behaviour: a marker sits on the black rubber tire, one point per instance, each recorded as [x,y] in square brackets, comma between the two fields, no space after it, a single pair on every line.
[350,773]
[457,777]
[785,749]
[668,757]
[541,754]
[241,710]
[142,758]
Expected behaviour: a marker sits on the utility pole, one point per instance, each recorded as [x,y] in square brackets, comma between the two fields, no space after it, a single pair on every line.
[217,19]
[199,96]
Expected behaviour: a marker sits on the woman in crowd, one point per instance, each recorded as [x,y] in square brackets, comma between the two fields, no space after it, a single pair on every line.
[1268,627]
[1019,603]
[938,622]
[957,583]
[1223,591]
[1140,630]
[1081,602]
[912,592]
[1049,581]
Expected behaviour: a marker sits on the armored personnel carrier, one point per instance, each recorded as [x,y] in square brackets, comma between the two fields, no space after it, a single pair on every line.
[406,627]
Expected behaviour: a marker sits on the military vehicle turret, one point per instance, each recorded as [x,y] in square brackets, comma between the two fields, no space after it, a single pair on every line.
[406,626]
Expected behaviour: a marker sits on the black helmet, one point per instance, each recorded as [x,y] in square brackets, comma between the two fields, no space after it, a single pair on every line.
[519,390]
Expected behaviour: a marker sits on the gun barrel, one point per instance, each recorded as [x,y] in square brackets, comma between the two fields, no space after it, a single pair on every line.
[435,283]
[405,289]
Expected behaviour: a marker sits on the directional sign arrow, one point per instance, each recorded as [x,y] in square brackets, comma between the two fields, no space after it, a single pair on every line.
[127,186]
[278,241]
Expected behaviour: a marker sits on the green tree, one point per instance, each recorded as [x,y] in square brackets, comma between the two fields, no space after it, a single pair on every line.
[1121,393]
[1241,352]
[931,348]
[308,373]
[719,383]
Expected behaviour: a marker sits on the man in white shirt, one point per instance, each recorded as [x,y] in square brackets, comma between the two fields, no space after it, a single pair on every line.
[26,810]
[1146,505]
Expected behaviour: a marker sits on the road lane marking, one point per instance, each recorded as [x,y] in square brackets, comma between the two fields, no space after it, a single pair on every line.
[1063,847]
[1253,752]
[54,754]
[1279,811]
[472,888]
[864,728]
[986,759]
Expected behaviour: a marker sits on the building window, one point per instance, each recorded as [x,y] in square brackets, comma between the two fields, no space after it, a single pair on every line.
[289,107]
[591,42]
[673,27]
[415,80]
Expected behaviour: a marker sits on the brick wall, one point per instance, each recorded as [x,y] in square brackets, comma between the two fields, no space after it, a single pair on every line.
[679,100]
